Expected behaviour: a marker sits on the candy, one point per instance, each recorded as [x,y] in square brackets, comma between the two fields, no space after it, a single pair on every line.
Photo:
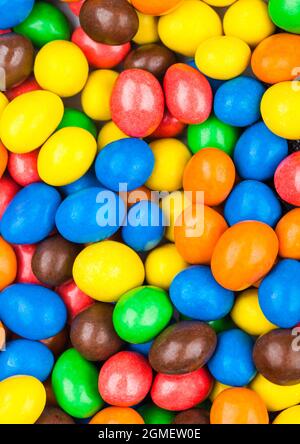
[32,311]
[125,161]
[232,362]
[137,103]
[285,14]
[109,133]
[23,357]
[152,414]
[182,348]
[255,246]
[223,57]
[3,104]
[74,299]
[147,31]
[153,58]
[24,255]
[133,375]
[117,415]
[288,416]
[29,120]
[8,190]
[192,416]
[168,127]
[156,7]
[74,383]
[14,12]
[20,226]
[288,232]
[8,264]
[93,335]
[239,406]
[76,6]
[27,86]
[286,179]
[74,117]
[57,343]
[23,167]
[196,294]
[175,28]
[44,24]
[181,392]
[108,269]
[54,415]
[23,400]
[113,22]
[278,294]
[141,314]
[219,3]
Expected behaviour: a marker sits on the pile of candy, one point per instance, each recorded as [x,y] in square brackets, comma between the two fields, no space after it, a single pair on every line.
[116,307]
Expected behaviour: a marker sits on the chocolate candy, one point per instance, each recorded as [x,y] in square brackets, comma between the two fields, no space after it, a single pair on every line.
[183,348]
[113,22]
[192,416]
[93,334]
[277,357]
[53,260]
[153,58]
[54,415]
[16,59]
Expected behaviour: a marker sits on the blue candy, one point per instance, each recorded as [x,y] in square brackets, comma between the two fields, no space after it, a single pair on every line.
[237,101]
[252,200]
[214,83]
[127,161]
[258,152]
[30,216]
[88,180]
[141,348]
[144,226]
[232,363]
[90,215]
[14,12]
[32,311]
[279,294]
[23,357]
[196,294]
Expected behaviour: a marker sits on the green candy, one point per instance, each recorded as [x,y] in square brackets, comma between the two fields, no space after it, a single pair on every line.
[286,14]
[221,324]
[75,385]
[44,24]
[213,134]
[152,414]
[141,314]
[74,117]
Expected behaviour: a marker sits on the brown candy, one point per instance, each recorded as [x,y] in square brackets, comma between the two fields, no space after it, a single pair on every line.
[53,260]
[54,415]
[192,416]
[183,347]
[113,22]
[277,357]
[153,58]
[50,396]
[16,59]
[93,333]
[58,343]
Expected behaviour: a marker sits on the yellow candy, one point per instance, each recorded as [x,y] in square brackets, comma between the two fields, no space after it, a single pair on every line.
[217,389]
[219,3]
[223,57]
[95,98]
[247,314]
[173,205]
[280,107]
[249,21]
[61,67]
[162,265]
[276,397]
[171,157]
[66,156]
[189,25]
[28,121]
[22,400]
[106,270]
[3,103]
[289,416]
[110,132]
[147,32]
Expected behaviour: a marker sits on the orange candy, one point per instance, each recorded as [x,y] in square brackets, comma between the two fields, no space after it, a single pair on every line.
[211,171]
[244,254]
[197,232]
[3,159]
[288,233]
[277,58]
[8,264]
[155,7]
[238,406]
[135,196]
[117,415]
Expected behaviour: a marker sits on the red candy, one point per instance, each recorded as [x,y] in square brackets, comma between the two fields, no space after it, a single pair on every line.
[287,179]
[137,103]
[25,87]
[168,127]
[76,6]
[23,167]
[125,379]
[75,300]
[24,255]
[188,93]
[8,189]
[181,392]
[100,55]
